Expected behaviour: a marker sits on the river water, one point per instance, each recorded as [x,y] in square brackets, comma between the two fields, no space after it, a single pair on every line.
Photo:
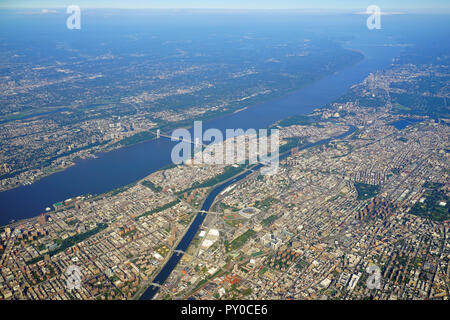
[197,223]
[120,167]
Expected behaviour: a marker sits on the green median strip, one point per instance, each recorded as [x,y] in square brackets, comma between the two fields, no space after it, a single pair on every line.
[159,209]
[71,241]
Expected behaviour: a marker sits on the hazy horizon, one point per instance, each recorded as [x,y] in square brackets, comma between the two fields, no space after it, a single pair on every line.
[437,6]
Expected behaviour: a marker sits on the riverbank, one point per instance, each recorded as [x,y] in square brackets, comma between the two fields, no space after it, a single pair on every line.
[126,165]
[73,157]
[192,230]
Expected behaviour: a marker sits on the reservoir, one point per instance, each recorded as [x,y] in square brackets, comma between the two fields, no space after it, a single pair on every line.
[403,123]
[123,166]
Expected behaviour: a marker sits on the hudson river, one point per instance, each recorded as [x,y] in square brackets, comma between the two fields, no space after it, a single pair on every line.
[121,167]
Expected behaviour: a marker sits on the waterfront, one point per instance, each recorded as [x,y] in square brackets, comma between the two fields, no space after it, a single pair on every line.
[197,223]
[123,166]
[360,192]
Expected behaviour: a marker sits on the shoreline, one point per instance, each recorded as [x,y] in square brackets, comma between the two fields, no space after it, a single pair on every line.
[172,260]
[344,79]
[179,125]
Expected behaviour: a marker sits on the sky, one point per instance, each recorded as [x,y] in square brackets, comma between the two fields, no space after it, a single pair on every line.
[385,5]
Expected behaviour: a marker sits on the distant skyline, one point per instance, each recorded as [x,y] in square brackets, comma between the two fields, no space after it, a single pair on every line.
[341,5]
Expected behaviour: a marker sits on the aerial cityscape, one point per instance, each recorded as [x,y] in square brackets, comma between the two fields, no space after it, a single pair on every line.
[346,198]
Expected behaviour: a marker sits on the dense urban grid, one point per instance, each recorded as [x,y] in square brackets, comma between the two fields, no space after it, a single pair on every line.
[377,198]
[358,207]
